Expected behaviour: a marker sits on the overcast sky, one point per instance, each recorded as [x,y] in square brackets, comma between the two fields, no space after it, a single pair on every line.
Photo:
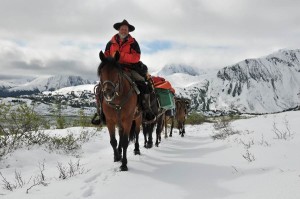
[50,37]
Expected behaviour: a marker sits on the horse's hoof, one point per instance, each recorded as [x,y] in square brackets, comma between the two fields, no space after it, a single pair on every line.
[117,159]
[149,145]
[182,135]
[170,135]
[137,152]
[123,168]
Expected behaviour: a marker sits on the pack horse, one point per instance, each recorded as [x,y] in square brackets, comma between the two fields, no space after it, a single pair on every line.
[182,107]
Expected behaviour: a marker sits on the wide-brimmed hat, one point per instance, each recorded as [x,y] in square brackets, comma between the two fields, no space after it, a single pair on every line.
[124,22]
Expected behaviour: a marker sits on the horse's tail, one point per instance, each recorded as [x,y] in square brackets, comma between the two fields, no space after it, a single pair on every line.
[132,131]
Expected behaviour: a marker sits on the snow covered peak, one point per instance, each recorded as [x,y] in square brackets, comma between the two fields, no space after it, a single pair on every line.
[6,85]
[263,85]
[288,57]
[177,68]
[51,83]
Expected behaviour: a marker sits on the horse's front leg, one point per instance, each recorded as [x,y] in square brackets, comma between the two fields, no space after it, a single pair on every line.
[150,138]
[145,137]
[180,128]
[158,138]
[120,147]
[172,125]
[137,145]
[183,129]
[164,124]
[113,142]
[159,129]
[147,131]
[124,144]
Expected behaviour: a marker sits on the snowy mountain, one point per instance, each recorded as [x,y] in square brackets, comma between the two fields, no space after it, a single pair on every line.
[178,68]
[40,84]
[263,85]
[6,85]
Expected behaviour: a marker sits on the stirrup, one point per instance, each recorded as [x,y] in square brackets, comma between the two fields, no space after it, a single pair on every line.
[145,121]
[96,121]
[153,120]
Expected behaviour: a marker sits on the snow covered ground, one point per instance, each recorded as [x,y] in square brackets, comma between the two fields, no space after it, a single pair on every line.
[254,164]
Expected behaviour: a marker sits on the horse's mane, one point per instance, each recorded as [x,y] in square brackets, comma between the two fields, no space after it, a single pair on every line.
[108,61]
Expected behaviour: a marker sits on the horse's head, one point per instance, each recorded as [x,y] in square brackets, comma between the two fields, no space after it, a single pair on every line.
[182,106]
[109,73]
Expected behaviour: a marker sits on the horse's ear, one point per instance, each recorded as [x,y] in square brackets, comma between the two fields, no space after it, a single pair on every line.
[117,56]
[101,55]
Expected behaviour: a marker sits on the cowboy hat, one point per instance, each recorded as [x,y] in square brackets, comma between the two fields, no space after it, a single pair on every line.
[124,22]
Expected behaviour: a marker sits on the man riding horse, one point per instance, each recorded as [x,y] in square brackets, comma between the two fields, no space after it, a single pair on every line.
[130,53]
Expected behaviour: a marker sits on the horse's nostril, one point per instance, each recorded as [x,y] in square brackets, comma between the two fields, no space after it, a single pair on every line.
[109,95]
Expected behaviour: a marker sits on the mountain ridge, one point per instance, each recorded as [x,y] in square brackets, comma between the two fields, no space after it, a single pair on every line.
[263,85]
[40,84]
[267,84]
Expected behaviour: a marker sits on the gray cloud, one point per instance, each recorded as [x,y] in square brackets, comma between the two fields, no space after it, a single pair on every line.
[49,37]
[52,67]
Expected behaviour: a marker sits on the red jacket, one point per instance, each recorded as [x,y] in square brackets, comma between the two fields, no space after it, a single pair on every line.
[129,49]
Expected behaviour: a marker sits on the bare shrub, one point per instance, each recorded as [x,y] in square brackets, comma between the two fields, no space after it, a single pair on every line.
[248,156]
[263,142]
[224,133]
[19,181]
[248,144]
[72,169]
[6,184]
[223,129]
[65,172]
[38,180]
[221,124]
[284,133]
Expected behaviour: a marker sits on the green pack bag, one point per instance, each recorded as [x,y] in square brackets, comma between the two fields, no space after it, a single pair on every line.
[165,98]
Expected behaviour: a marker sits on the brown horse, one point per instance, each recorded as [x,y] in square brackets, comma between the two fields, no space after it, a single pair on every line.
[182,106]
[120,107]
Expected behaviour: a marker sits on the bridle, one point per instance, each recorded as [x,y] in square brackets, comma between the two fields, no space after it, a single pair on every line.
[116,89]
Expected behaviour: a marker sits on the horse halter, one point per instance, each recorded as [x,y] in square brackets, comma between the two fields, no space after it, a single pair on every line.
[110,90]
